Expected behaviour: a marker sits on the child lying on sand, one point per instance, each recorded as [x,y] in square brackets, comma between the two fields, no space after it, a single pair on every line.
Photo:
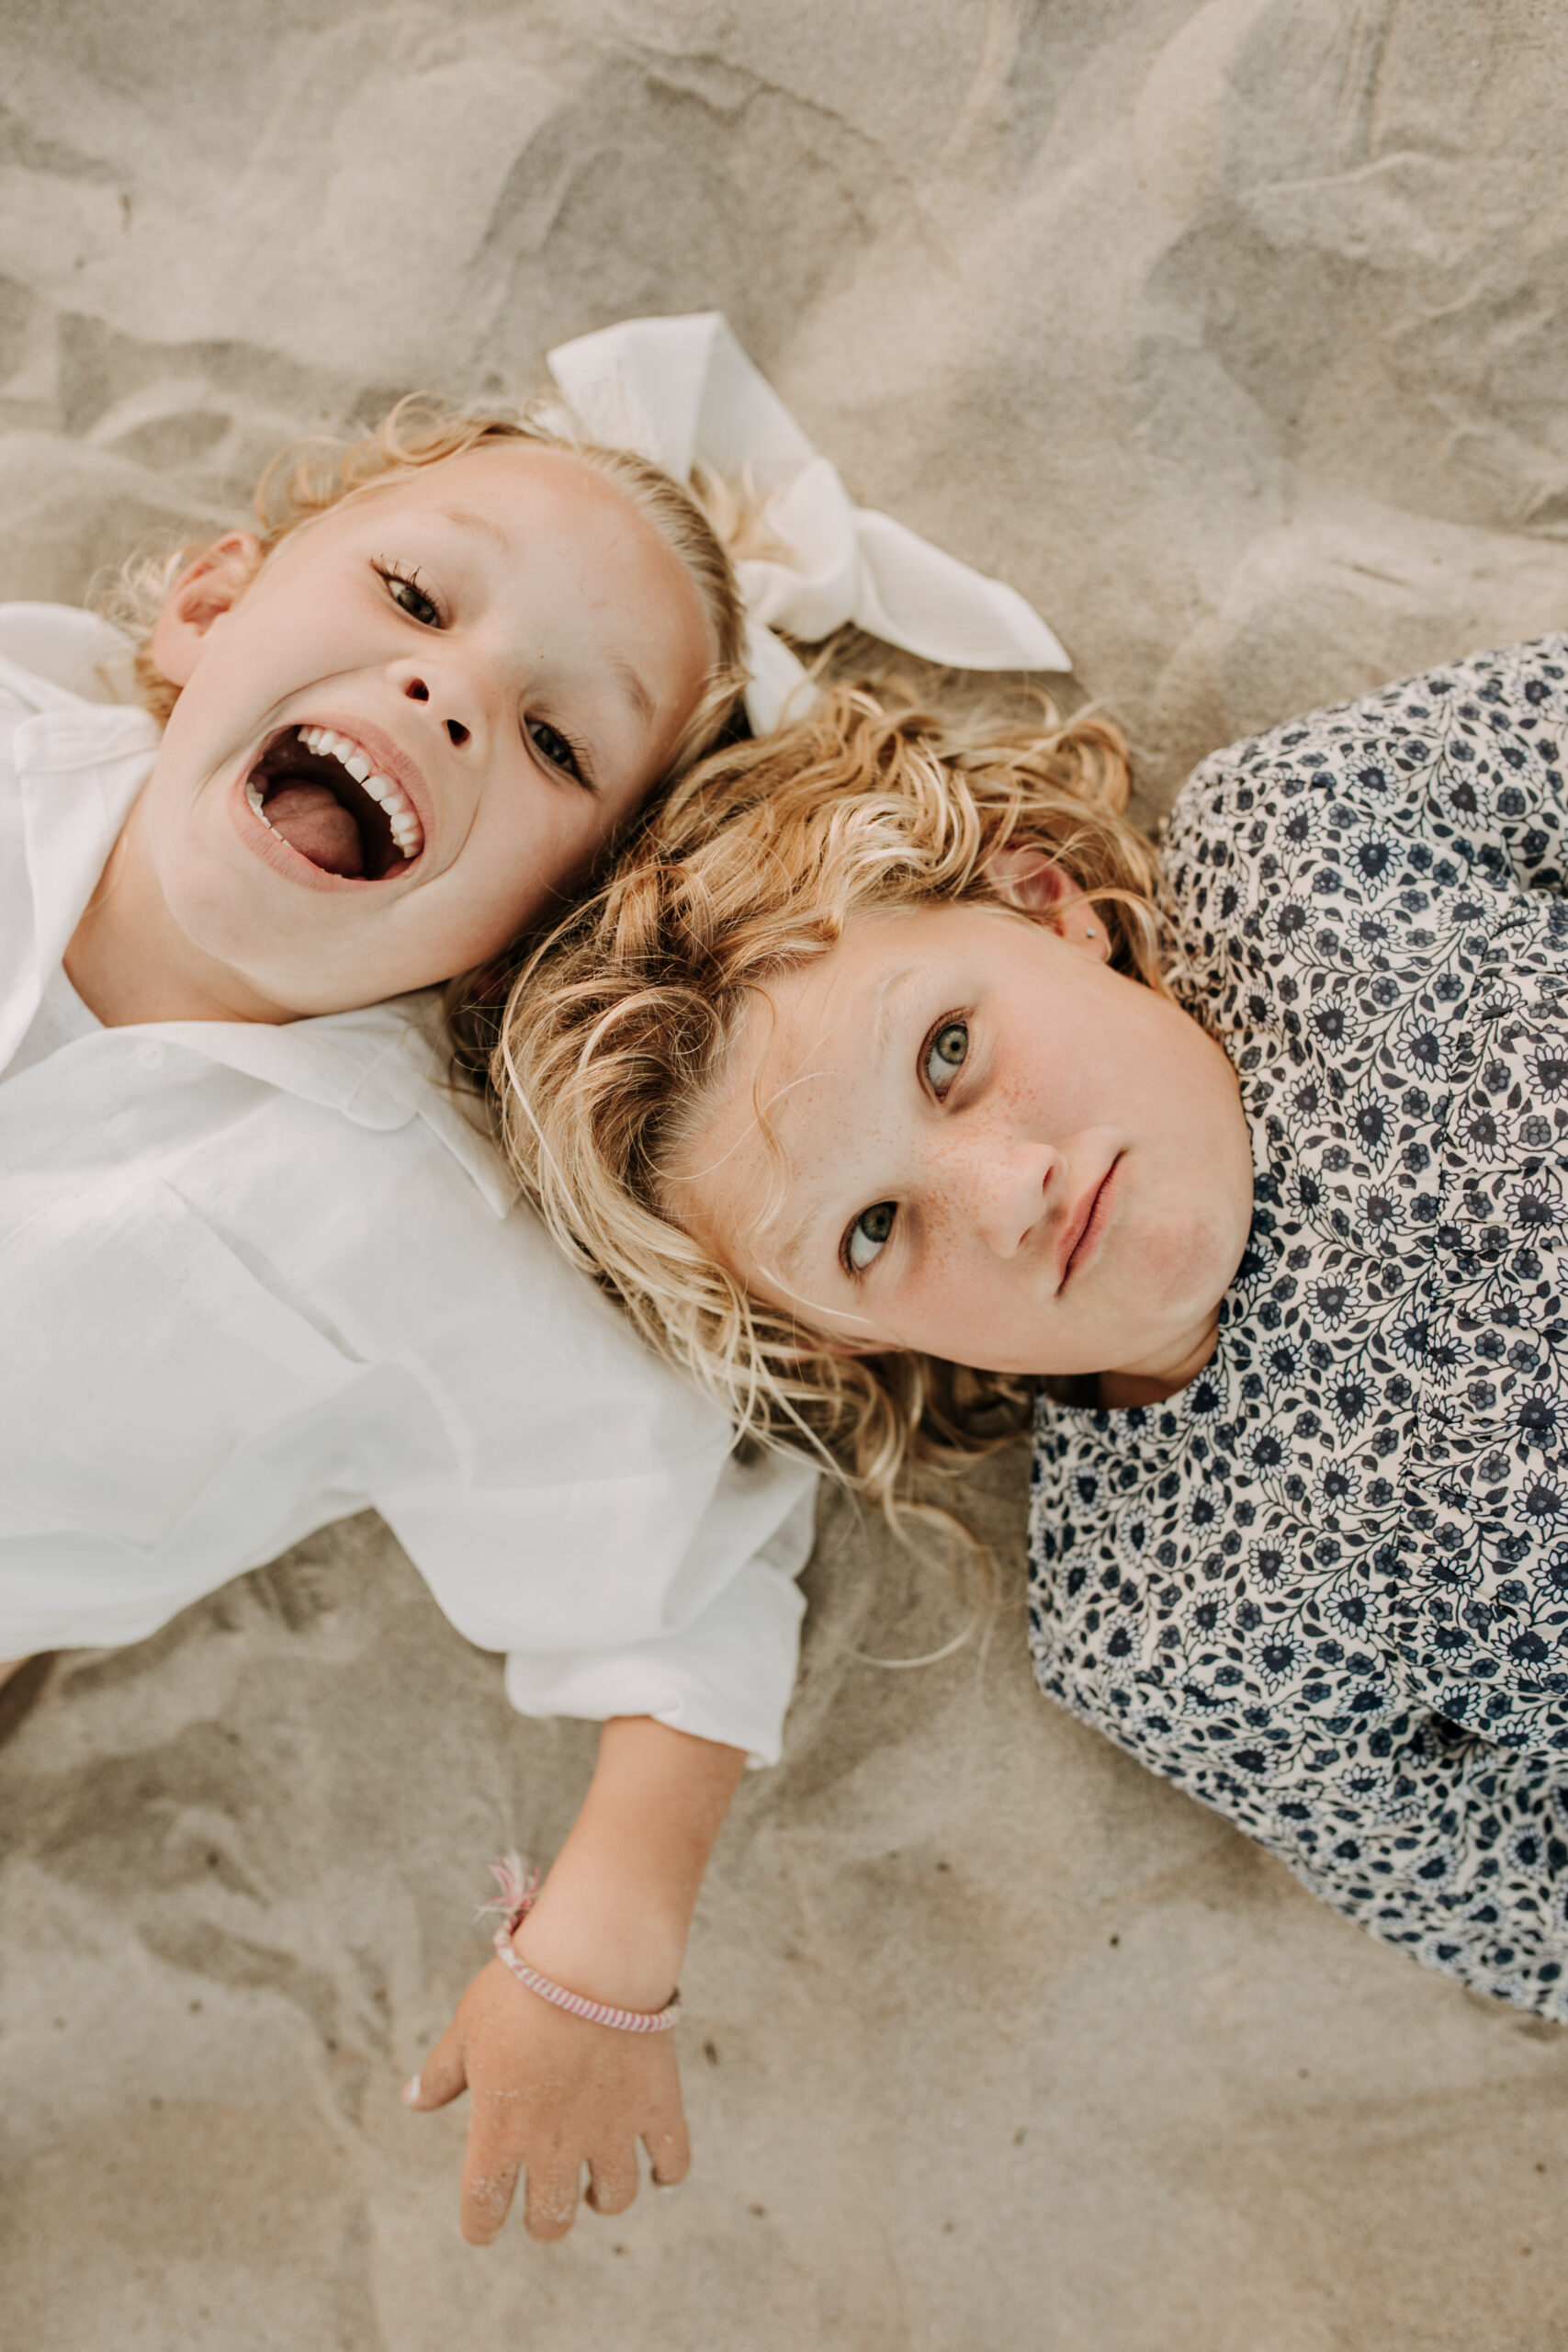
[263,1265]
[261,1271]
[893,1075]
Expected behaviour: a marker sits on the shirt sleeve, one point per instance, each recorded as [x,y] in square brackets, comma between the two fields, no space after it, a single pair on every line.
[726,1676]
[568,1499]
[1430,1836]
[670,1592]
[1451,1847]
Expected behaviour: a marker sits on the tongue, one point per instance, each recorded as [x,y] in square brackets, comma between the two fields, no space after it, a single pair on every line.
[312,821]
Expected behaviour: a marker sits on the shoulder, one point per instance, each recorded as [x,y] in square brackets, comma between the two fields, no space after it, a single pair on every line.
[1479,731]
[51,654]
[1352,847]
[67,704]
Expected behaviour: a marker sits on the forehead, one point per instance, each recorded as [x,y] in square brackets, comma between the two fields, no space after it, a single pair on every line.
[513,487]
[798,1070]
[809,1016]
[835,1005]
[791,1076]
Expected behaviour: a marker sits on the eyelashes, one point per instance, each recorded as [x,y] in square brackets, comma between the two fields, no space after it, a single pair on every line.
[559,752]
[403,586]
[945,1053]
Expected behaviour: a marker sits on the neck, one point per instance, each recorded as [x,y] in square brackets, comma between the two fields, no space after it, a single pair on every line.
[1153,1384]
[129,961]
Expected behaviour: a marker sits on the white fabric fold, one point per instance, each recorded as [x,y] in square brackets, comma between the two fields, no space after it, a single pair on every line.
[682,391]
[256,1278]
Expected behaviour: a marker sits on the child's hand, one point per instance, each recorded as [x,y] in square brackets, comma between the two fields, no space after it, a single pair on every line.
[550,2093]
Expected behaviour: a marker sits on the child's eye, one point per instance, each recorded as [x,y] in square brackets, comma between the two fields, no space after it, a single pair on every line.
[405,591]
[553,746]
[866,1235]
[945,1056]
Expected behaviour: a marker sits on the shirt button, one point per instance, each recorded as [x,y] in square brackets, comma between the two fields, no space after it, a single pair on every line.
[149,1056]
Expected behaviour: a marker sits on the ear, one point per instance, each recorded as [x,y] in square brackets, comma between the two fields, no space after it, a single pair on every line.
[1024,877]
[210,585]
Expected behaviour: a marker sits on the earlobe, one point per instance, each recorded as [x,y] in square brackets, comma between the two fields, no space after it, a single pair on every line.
[1081,923]
[209,586]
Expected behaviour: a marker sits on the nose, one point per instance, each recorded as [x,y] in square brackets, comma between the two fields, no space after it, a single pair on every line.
[1007,1188]
[451,701]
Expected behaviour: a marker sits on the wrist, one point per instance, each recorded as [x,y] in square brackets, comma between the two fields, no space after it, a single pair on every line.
[605,1943]
[612,1919]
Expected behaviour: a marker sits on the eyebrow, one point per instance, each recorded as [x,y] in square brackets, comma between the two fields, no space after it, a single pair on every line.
[885,999]
[885,1004]
[634,687]
[469,520]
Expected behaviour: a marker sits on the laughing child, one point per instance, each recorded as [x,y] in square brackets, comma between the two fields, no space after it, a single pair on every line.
[893,1076]
[261,1271]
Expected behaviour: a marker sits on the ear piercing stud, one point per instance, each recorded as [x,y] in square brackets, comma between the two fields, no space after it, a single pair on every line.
[1089,931]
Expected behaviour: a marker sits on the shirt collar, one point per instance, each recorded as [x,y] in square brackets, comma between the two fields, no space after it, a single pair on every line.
[381,1067]
[79,767]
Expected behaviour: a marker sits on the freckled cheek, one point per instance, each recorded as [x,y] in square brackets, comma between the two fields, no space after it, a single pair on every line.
[947,1221]
[1020,1092]
[954,1289]
[969,1314]
[1175,1256]
[1048,1080]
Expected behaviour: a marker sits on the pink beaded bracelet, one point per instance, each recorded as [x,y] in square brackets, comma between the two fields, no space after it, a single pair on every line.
[519,1892]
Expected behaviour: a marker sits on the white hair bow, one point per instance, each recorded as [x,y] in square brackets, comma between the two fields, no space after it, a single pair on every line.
[683,392]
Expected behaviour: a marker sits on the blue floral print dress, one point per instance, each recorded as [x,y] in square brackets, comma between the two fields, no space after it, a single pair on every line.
[1325,1587]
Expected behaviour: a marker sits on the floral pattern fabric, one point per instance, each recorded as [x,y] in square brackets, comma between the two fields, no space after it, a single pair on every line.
[1325,1587]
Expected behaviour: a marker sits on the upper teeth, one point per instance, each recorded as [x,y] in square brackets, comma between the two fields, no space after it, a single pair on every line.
[406,830]
[405,824]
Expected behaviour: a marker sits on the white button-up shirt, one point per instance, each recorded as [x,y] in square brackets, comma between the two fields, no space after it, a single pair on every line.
[255,1278]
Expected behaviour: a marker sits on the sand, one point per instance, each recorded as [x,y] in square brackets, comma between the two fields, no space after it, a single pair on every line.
[1236,337]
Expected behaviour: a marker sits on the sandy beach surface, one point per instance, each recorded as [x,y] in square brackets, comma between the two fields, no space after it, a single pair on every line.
[1236,336]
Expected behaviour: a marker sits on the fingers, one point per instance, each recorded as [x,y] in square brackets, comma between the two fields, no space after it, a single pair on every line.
[612,2180]
[546,2092]
[443,2075]
[489,2180]
[551,2206]
[669,2147]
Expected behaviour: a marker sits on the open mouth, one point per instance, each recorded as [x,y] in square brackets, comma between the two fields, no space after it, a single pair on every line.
[323,794]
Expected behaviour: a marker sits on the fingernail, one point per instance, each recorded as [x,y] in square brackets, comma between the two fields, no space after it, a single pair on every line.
[410,2090]
[668,2187]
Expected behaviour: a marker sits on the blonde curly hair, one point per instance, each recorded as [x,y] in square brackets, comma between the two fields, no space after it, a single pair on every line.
[620,1023]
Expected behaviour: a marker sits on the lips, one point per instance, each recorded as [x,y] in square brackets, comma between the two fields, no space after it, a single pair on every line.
[1091,1214]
